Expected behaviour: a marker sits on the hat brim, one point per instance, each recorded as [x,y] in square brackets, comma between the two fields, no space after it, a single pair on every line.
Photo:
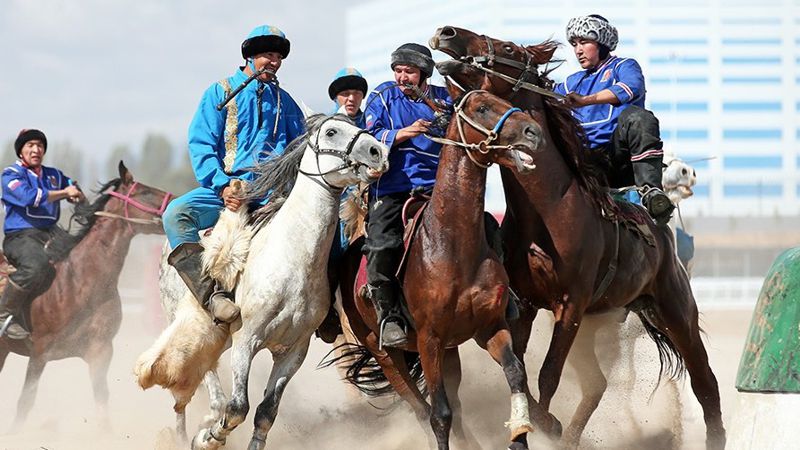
[263,44]
[347,82]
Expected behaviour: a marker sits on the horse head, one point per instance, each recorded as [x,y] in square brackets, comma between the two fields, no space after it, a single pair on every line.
[138,204]
[678,179]
[481,62]
[342,154]
[491,130]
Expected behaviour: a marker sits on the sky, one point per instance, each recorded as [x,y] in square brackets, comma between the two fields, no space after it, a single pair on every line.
[99,73]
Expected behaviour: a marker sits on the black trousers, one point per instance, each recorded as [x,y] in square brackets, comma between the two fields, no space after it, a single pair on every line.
[384,243]
[636,136]
[25,250]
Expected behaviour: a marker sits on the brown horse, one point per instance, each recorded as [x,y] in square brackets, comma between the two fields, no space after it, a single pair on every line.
[81,312]
[567,249]
[454,284]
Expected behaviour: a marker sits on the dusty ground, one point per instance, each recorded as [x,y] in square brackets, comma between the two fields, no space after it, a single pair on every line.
[320,412]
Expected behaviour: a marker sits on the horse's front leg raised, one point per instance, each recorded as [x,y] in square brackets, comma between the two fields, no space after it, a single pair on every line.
[284,367]
[213,437]
[498,344]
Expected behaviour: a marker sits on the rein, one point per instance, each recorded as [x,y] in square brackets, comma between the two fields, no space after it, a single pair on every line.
[485,63]
[128,200]
[483,146]
[344,155]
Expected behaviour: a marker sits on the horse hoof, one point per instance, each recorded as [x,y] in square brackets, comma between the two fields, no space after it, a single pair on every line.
[203,440]
[517,446]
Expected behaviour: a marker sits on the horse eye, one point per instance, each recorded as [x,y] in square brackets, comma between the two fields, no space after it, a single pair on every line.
[330,133]
[482,109]
[508,48]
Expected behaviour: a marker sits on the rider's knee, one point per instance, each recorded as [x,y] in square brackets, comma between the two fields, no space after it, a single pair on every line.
[176,214]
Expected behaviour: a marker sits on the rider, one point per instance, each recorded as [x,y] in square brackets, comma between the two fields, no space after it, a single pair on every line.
[608,97]
[347,90]
[398,117]
[257,124]
[31,195]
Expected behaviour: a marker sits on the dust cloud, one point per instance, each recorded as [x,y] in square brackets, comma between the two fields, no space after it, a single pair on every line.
[319,411]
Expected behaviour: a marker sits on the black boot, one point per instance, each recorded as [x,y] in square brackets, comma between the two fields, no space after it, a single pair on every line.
[647,174]
[331,326]
[11,312]
[186,259]
[392,324]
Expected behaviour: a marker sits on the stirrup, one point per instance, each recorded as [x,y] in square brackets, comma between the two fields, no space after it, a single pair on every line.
[6,324]
[396,318]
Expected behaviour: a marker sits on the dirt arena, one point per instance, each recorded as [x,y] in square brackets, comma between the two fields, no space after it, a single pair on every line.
[318,411]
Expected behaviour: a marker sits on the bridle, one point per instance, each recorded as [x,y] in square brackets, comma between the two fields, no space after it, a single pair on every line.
[127,200]
[484,146]
[486,64]
[344,155]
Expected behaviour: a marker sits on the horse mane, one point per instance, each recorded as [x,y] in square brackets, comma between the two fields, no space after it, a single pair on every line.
[567,134]
[84,216]
[275,177]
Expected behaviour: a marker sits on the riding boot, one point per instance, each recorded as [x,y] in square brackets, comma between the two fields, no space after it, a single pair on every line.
[647,174]
[391,323]
[11,311]
[186,259]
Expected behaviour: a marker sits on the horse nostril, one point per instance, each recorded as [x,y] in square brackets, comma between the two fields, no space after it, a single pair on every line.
[447,33]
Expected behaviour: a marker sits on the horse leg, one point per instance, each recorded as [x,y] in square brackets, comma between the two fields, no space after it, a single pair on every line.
[499,345]
[213,437]
[590,376]
[180,416]
[520,335]
[452,380]
[99,362]
[28,395]
[283,369]
[216,396]
[685,335]
[564,331]
[3,355]
[431,354]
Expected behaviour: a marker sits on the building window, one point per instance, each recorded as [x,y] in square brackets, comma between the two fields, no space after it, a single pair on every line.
[751,60]
[752,162]
[769,134]
[679,106]
[687,134]
[752,80]
[752,190]
[751,106]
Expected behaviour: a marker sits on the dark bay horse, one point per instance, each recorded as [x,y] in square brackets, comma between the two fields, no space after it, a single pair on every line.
[567,251]
[81,312]
[454,284]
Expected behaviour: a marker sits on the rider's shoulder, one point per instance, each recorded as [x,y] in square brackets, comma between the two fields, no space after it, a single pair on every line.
[623,62]
[14,168]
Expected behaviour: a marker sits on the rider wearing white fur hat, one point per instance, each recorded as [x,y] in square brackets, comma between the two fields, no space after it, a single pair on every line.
[608,98]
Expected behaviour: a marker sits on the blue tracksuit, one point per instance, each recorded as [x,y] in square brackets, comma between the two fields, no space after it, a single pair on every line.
[218,154]
[25,197]
[412,163]
[623,77]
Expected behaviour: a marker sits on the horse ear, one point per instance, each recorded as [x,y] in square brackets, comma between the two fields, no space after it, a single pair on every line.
[454,91]
[125,174]
[542,53]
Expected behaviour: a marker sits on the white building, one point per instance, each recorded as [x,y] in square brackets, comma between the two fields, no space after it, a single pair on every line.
[721,76]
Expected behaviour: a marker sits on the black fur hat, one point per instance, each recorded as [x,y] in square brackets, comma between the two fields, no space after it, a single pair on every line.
[29,135]
[415,55]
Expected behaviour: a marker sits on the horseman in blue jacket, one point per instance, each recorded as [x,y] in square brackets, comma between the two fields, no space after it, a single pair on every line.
[608,99]
[257,124]
[31,196]
[397,117]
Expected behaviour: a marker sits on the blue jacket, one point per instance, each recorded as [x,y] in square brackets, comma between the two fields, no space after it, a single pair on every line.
[25,197]
[254,141]
[412,163]
[623,77]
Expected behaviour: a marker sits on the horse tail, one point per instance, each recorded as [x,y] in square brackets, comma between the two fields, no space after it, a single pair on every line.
[672,364]
[225,250]
[364,372]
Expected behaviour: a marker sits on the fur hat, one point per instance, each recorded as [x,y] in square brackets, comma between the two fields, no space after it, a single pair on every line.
[265,38]
[595,28]
[28,135]
[414,55]
[347,78]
